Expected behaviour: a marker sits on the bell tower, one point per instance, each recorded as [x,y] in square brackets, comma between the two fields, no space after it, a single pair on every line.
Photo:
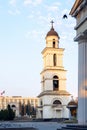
[53,73]
[53,78]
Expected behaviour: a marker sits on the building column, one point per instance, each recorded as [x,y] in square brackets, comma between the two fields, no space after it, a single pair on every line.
[82,81]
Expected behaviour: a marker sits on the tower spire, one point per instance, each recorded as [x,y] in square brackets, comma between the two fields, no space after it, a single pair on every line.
[52,23]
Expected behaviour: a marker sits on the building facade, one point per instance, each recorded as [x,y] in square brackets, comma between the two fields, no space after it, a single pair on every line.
[79,11]
[53,98]
[19,104]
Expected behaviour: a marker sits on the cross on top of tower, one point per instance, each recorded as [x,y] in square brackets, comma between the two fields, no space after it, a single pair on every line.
[52,32]
[52,23]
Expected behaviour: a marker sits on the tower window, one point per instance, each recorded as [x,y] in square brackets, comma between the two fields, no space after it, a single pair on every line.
[57,102]
[53,44]
[41,103]
[55,83]
[54,59]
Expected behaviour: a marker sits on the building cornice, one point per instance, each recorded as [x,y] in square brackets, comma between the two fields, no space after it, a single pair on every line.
[81,36]
[82,21]
[80,7]
[51,49]
[52,79]
[18,98]
[75,7]
[54,93]
[50,69]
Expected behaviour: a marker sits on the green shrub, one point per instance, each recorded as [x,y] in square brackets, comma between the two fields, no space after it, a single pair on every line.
[7,114]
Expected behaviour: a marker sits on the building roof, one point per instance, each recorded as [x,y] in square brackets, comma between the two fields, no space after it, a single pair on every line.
[72,103]
[52,32]
[75,6]
[50,92]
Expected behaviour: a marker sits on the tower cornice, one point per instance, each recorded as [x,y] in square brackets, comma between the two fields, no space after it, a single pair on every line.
[50,49]
[53,69]
[58,93]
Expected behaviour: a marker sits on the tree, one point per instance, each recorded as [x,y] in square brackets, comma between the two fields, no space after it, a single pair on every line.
[28,108]
[11,113]
[22,110]
[7,114]
[4,114]
[33,113]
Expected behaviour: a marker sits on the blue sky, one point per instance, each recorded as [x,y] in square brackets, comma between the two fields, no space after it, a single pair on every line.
[23,27]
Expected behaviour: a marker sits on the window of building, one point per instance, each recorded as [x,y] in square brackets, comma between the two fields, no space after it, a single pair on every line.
[41,103]
[54,59]
[53,44]
[57,102]
[55,83]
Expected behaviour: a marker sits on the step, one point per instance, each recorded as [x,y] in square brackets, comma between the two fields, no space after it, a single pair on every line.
[73,127]
[77,126]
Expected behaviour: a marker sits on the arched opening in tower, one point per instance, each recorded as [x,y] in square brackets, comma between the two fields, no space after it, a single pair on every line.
[54,60]
[53,44]
[55,83]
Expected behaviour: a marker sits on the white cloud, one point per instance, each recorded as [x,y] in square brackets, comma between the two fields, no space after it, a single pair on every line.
[52,8]
[70,2]
[15,12]
[57,3]
[34,34]
[45,19]
[42,18]
[38,1]
[12,2]
[31,16]
[29,2]
[65,11]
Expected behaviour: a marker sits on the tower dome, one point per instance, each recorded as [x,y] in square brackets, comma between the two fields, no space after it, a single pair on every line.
[52,32]
[72,103]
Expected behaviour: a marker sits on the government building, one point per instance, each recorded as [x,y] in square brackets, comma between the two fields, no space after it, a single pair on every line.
[21,105]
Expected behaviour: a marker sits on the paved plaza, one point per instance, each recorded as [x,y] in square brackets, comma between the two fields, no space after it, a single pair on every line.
[38,125]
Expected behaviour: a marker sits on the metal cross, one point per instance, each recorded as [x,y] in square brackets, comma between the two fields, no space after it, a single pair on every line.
[52,23]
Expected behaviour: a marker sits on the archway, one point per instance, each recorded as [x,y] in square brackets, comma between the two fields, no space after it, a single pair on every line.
[55,83]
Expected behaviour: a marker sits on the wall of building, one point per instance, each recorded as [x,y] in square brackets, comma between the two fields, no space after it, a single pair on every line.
[16,100]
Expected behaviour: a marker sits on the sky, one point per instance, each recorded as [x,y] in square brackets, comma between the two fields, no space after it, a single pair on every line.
[23,28]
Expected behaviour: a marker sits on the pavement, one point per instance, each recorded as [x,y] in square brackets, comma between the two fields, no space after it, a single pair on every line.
[30,125]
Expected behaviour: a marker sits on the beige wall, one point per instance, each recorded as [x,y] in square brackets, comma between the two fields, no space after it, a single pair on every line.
[4,101]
